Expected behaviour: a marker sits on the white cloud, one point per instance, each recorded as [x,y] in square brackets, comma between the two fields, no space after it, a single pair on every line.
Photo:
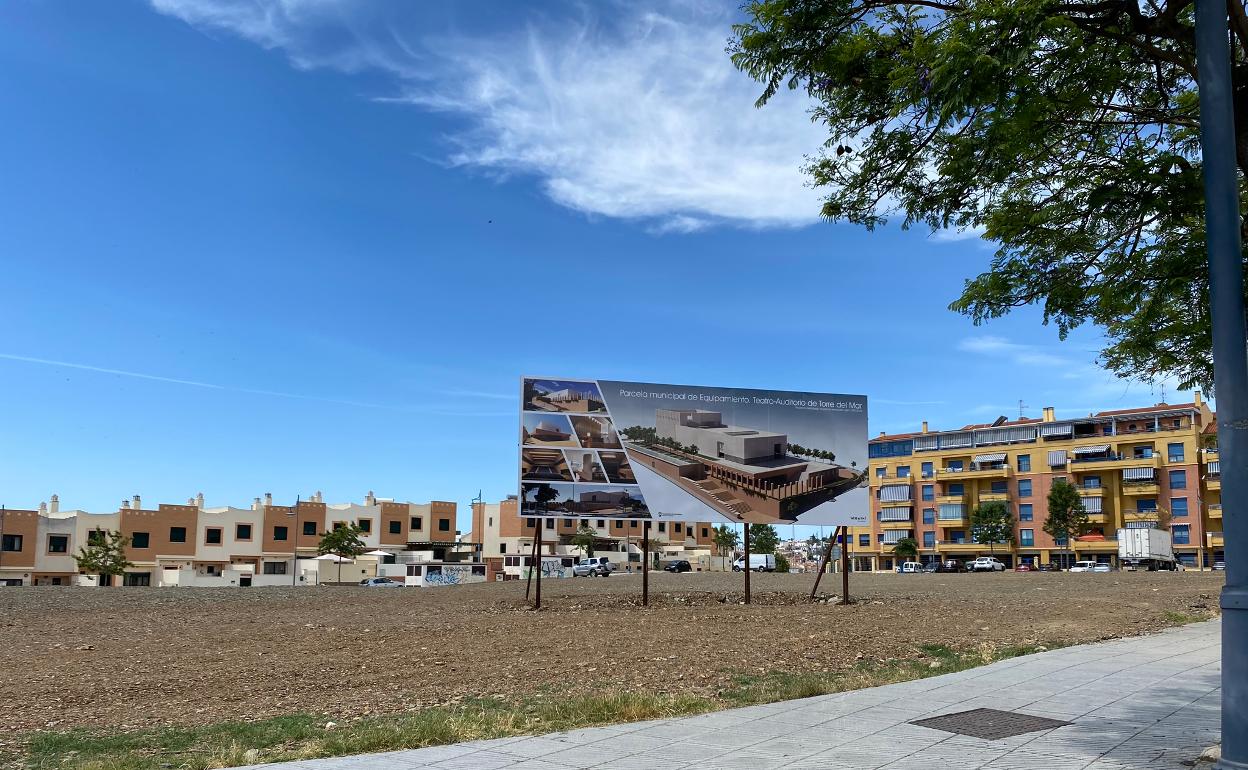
[951,236]
[640,118]
[1017,353]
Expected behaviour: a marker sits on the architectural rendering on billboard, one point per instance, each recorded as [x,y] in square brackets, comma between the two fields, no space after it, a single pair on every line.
[645,450]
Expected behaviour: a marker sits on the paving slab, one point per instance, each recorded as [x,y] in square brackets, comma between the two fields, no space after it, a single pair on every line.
[1143,703]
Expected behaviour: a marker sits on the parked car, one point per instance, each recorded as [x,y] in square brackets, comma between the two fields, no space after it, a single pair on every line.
[1024,568]
[759,562]
[986,564]
[1047,568]
[1101,568]
[910,568]
[1082,566]
[380,582]
[679,566]
[931,566]
[599,566]
[951,565]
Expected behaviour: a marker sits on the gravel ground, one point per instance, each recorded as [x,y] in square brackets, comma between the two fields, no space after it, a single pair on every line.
[136,658]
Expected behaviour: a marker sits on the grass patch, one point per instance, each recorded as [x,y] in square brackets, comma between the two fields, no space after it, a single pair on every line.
[304,736]
[1180,618]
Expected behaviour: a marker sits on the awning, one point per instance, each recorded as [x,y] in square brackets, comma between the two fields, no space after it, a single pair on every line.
[895,493]
[995,457]
[1140,524]
[1092,504]
[1137,474]
[894,536]
[1095,449]
[896,514]
[1214,467]
[1057,457]
[953,440]
[1056,429]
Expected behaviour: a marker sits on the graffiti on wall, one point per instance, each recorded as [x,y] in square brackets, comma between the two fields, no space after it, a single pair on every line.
[447,575]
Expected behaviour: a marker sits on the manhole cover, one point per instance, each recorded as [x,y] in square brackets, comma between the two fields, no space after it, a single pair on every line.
[990,724]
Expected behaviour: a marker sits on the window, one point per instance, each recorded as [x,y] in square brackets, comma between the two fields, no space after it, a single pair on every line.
[676,528]
[1178,479]
[140,540]
[1145,506]
[58,543]
[502,548]
[339,525]
[957,536]
[929,515]
[418,523]
[365,525]
[929,492]
[706,532]
[1144,452]
[444,525]
[177,534]
[903,471]
[1174,452]
[956,490]
[1182,534]
[890,449]
[999,487]
[212,535]
[1024,487]
[1026,537]
[1178,507]
[280,533]
[1059,541]
[1091,482]
[864,540]
[662,526]
[550,524]
[1024,512]
[927,470]
[954,465]
[309,528]
[881,472]
[396,527]
[242,531]
[929,539]
[632,524]
[11,543]
[275,568]
[1024,463]
[137,579]
[602,523]
[95,537]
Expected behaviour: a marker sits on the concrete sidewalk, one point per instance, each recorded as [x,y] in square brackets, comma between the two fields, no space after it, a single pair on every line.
[1146,702]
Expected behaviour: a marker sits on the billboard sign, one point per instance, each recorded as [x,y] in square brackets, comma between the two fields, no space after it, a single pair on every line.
[612,449]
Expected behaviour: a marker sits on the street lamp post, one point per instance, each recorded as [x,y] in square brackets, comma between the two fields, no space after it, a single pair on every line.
[1230,360]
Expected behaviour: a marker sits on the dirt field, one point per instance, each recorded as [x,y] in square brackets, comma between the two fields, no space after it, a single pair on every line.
[153,657]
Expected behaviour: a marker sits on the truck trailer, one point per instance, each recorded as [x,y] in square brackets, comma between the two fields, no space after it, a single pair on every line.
[1148,549]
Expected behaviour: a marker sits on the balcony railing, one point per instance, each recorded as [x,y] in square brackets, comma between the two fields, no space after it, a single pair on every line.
[1215,511]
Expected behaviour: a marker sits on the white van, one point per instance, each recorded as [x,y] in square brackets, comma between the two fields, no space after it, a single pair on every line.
[910,567]
[1083,566]
[759,562]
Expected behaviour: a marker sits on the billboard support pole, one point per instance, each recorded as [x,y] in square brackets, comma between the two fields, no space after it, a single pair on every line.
[823,563]
[845,566]
[747,562]
[645,565]
[528,587]
[537,604]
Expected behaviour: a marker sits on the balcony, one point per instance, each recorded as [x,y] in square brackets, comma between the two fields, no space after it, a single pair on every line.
[906,524]
[992,497]
[1215,511]
[1096,518]
[1140,515]
[951,499]
[1216,539]
[1080,464]
[1148,488]
[1090,491]
[1213,483]
[994,472]
[965,546]
[879,481]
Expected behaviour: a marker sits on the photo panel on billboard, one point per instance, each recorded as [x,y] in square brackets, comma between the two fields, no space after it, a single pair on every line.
[697,454]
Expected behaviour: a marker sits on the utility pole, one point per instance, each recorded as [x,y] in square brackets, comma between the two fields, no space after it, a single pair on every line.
[294,554]
[1230,359]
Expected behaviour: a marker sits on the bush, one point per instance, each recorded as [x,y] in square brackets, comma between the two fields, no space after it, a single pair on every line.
[782,563]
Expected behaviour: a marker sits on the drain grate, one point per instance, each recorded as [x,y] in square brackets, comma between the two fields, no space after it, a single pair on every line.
[990,724]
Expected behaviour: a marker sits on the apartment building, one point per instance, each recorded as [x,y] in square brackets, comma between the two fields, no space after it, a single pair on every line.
[1129,465]
[506,538]
[191,544]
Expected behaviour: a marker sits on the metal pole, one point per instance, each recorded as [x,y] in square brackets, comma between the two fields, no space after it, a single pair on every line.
[537,603]
[294,555]
[645,565]
[823,563]
[528,586]
[844,565]
[1230,359]
[747,562]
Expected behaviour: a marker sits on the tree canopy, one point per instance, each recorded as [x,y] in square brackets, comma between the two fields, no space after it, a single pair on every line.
[1063,130]
[1067,517]
[104,554]
[906,549]
[763,538]
[992,523]
[583,538]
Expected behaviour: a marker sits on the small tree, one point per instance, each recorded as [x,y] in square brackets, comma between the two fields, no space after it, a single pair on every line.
[343,542]
[992,523]
[584,539]
[782,563]
[906,549]
[763,538]
[1164,519]
[726,540]
[104,554]
[1067,517]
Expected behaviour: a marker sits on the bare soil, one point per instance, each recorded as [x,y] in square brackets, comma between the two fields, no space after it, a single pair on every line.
[139,658]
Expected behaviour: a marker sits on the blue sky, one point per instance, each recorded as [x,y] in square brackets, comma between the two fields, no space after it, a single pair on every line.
[289,245]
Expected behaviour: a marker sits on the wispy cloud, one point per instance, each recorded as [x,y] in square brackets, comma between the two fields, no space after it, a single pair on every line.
[952,236]
[640,116]
[481,394]
[237,389]
[1014,352]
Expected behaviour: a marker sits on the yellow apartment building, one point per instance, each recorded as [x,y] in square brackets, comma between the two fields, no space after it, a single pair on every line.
[1129,465]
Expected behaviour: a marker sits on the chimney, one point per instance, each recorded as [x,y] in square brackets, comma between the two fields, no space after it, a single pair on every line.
[1196,398]
[190,501]
[925,426]
[137,503]
[125,505]
[1048,415]
[370,499]
[56,504]
[199,500]
[268,498]
[317,497]
[43,509]
[882,434]
[255,505]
